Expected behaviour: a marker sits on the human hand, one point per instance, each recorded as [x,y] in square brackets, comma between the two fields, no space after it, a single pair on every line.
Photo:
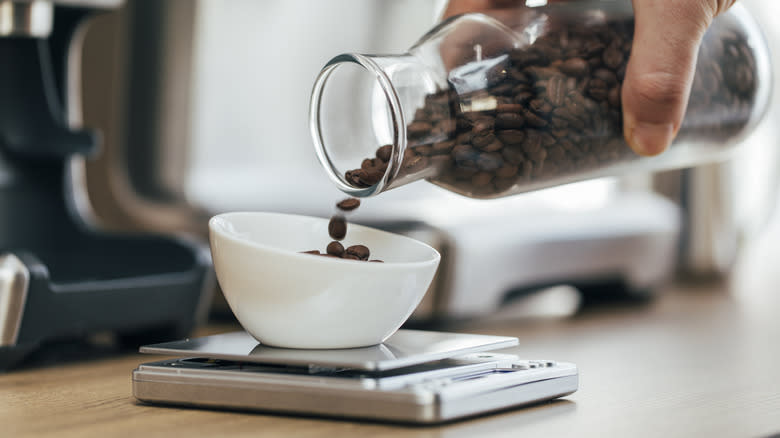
[660,70]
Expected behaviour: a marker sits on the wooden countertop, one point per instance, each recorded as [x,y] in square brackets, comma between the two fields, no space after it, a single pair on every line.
[698,361]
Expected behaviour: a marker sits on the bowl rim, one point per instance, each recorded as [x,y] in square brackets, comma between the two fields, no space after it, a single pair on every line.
[216,229]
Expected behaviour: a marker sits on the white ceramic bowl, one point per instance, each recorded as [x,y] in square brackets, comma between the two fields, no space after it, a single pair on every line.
[287,299]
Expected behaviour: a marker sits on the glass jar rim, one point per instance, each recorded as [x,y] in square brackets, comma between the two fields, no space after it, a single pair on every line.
[396,117]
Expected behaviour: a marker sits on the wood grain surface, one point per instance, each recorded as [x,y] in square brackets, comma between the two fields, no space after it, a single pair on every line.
[701,360]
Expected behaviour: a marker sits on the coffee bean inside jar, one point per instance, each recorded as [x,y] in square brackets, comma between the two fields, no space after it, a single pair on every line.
[549,111]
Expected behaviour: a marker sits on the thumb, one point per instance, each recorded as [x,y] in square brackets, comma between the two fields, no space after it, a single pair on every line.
[660,70]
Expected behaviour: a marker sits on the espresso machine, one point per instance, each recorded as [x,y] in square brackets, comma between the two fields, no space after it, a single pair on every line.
[60,276]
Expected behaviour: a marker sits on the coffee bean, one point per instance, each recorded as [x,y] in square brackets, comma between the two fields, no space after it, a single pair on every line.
[613,55]
[337,227]
[482,126]
[511,136]
[608,76]
[557,90]
[447,127]
[614,96]
[313,251]
[370,177]
[540,106]
[597,89]
[532,119]
[509,121]
[415,164]
[577,67]
[443,147]
[359,251]
[507,171]
[418,129]
[513,155]
[481,179]
[348,204]
[483,139]
[335,248]
[494,146]
[489,161]
[383,153]
[509,108]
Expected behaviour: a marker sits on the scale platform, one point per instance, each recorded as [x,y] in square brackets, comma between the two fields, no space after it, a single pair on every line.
[413,377]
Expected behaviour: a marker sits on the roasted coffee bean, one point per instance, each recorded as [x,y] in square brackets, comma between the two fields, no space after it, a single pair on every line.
[511,136]
[540,106]
[348,204]
[613,55]
[598,89]
[443,147]
[335,248]
[359,251]
[532,119]
[614,96]
[509,121]
[509,108]
[494,146]
[577,67]
[337,227]
[383,153]
[418,129]
[370,177]
[489,161]
[415,164]
[483,139]
[506,171]
[425,150]
[447,126]
[557,90]
[513,155]
[481,179]
[313,251]
[608,76]
[483,125]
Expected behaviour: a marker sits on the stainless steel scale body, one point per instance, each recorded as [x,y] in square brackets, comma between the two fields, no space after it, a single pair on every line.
[413,377]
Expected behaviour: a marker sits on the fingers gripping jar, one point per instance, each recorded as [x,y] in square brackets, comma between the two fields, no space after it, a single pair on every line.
[522,99]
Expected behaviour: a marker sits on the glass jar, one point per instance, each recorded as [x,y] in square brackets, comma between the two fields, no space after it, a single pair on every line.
[489,106]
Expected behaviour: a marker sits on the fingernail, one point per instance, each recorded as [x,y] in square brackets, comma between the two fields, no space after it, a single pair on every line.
[650,138]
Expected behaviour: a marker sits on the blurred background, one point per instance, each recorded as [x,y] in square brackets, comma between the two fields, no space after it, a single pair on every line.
[202,106]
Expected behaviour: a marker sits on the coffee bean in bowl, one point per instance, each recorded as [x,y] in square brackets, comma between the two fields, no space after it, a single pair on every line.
[288,299]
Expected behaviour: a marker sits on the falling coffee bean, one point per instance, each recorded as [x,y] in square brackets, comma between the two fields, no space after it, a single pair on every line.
[348,204]
[337,227]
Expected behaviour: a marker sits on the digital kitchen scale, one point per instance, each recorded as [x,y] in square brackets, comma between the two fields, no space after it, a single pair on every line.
[415,376]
